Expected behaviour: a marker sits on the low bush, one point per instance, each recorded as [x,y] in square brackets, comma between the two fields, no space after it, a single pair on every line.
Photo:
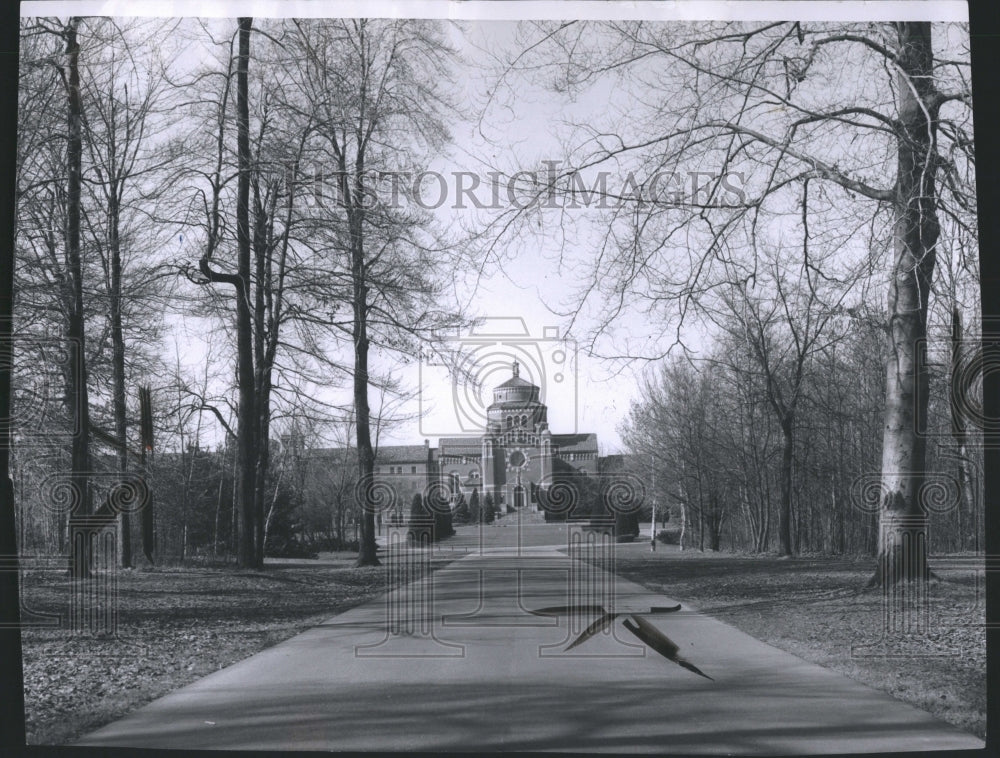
[669,536]
[292,548]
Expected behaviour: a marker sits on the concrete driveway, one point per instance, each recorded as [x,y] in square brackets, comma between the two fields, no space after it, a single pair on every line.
[471,669]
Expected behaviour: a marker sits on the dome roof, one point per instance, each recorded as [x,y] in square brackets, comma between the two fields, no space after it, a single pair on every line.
[515,381]
[515,392]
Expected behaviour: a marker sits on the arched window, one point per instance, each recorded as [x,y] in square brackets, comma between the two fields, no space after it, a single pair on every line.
[524,420]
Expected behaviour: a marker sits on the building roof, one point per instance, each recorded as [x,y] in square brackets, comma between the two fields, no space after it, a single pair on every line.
[401,454]
[383,454]
[567,443]
[575,443]
[516,381]
[460,446]
[331,453]
[526,403]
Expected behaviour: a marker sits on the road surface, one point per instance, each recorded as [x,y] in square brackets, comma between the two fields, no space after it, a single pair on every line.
[472,669]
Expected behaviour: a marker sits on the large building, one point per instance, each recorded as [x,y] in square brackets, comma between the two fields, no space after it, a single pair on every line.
[515,455]
[517,452]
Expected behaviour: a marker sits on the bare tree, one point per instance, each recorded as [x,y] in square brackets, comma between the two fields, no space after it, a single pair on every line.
[12,721]
[678,423]
[755,102]
[289,285]
[121,90]
[246,433]
[60,188]
[358,77]
[785,320]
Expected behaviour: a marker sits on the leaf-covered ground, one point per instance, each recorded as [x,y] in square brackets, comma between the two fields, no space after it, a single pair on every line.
[818,609]
[179,624]
[175,625]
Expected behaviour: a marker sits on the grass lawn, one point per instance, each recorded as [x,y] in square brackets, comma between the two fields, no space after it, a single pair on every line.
[175,625]
[817,609]
[178,624]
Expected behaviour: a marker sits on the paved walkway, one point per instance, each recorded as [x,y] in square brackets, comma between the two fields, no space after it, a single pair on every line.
[481,673]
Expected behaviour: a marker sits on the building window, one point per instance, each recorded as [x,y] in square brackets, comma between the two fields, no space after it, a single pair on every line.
[413,469]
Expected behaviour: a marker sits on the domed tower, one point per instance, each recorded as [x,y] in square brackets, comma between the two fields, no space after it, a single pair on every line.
[515,406]
[517,446]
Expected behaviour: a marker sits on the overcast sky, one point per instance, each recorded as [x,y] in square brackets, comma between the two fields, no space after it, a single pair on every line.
[583,393]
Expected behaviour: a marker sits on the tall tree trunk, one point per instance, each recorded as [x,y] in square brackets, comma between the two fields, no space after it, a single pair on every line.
[188,471]
[902,536]
[245,502]
[118,368]
[359,277]
[234,522]
[271,507]
[218,505]
[366,456]
[78,399]
[764,500]
[959,430]
[246,438]
[11,669]
[785,514]
[768,516]
[715,524]
[841,509]
[701,516]
[261,377]
[680,536]
[261,466]
[146,445]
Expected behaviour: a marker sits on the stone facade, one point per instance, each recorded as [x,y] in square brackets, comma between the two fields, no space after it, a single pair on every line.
[516,454]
